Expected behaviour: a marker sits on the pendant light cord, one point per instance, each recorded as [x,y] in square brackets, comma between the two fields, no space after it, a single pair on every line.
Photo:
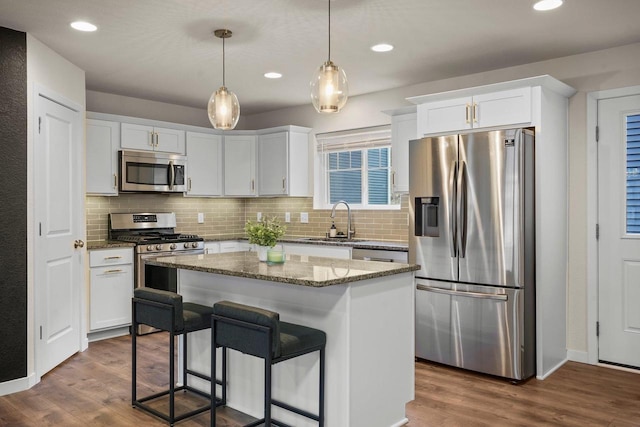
[329,1]
[223,83]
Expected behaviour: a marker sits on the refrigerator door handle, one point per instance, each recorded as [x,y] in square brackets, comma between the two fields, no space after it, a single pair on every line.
[453,227]
[498,297]
[462,209]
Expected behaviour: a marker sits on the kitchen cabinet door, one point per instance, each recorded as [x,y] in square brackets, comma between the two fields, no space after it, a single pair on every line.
[403,130]
[211,247]
[508,107]
[240,165]
[103,142]
[110,288]
[149,138]
[273,164]
[444,116]
[204,167]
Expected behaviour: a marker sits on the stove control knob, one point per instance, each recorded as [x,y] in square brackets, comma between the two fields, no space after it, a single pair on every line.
[159,247]
[194,245]
[150,247]
[186,245]
[173,246]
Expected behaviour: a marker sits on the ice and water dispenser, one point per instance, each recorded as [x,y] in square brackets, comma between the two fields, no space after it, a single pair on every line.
[427,216]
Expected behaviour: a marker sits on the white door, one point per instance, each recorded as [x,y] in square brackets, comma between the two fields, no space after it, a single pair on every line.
[59,217]
[619,227]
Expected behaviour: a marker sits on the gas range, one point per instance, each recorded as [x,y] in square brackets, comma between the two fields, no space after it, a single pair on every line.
[152,233]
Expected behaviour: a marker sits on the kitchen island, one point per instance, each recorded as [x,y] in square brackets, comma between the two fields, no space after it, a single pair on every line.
[366,309]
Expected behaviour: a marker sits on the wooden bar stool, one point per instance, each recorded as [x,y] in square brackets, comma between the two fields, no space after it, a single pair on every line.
[260,333]
[165,310]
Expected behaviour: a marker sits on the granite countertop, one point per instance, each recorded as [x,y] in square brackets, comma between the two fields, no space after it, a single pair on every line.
[296,270]
[107,244]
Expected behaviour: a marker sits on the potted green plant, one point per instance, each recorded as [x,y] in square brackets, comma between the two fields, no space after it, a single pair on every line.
[264,234]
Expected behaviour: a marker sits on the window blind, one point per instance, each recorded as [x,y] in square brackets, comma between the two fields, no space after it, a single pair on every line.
[633,174]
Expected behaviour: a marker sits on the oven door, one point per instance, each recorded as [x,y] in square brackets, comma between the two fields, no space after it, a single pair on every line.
[159,277]
[152,172]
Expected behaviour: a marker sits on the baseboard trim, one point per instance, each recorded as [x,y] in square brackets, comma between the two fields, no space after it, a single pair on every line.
[578,356]
[552,370]
[107,333]
[402,422]
[19,384]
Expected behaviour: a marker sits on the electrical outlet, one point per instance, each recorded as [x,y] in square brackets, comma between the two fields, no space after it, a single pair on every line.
[259,216]
[200,218]
[287,217]
[304,217]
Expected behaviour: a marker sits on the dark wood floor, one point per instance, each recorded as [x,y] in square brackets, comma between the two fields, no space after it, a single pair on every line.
[93,389]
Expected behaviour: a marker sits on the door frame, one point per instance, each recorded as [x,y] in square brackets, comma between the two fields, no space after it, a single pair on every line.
[592,216]
[40,90]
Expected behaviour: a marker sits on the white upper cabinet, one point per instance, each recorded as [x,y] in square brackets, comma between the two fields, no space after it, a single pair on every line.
[103,142]
[240,165]
[403,130]
[283,159]
[151,138]
[487,110]
[204,167]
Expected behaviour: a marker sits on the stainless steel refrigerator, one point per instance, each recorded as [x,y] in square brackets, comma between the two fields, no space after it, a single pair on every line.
[472,231]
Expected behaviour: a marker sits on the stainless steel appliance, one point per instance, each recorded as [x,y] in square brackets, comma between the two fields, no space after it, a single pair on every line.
[149,171]
[154,236]
[472,233]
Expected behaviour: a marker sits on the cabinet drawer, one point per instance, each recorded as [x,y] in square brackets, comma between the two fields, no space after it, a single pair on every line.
[103,257]
[110,296]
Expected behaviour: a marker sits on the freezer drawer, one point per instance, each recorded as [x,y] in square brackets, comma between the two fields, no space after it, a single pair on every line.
[480,328]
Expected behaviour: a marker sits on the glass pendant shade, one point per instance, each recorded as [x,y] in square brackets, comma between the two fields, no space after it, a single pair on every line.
[223,109]
[329,88]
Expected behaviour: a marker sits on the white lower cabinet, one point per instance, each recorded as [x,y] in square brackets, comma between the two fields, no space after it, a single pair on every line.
[111,288]
[343,252]
[211,247]
[235,246]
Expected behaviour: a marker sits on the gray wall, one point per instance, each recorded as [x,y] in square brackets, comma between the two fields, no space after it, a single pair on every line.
[13,208]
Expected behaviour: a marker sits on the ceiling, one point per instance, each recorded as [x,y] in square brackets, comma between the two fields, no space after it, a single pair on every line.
[164,50]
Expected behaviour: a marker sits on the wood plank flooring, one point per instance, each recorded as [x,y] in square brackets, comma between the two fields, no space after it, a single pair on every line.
[94,389]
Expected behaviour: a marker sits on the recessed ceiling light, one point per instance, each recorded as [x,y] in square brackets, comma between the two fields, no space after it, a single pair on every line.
[547,4]
[382,47]
[272,75]
[83,26]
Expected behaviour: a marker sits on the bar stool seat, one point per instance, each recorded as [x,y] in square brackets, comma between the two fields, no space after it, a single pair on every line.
[165,310]
[258,332]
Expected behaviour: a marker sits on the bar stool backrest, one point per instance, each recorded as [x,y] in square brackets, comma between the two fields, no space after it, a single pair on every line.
[244,338]
[158,315]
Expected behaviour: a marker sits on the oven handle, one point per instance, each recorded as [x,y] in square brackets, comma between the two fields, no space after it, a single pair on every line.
[172,253]
[499,297]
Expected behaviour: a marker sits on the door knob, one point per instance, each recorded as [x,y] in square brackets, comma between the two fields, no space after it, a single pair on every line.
[78,244]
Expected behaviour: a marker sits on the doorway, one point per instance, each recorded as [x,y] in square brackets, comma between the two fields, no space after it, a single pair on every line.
[614,299]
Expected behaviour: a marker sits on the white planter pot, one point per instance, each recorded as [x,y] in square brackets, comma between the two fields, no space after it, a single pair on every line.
[262,252]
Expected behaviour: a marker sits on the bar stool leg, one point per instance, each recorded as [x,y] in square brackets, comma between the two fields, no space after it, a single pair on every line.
[134,327]
[171,377]
[267,393]
[321,392]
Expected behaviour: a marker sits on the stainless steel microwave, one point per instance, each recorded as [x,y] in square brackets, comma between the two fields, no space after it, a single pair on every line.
[149,171]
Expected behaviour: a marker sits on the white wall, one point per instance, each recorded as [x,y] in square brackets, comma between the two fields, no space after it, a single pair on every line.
[48,69]
[101,102]
[606,69]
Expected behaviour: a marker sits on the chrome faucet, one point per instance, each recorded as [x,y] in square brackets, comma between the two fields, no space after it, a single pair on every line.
[350,232]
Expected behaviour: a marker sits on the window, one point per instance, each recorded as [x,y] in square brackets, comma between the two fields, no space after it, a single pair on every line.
[633,174]
[354,166]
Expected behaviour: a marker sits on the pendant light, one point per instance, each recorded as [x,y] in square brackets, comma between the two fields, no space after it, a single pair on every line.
[329,86]
[223,108]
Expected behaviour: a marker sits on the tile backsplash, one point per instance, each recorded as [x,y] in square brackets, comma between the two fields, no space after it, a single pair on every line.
[226,217]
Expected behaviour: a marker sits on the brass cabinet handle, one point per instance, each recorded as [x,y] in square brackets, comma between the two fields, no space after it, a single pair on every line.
[115,181]
[475,113]
[284,186]
[467,112]
[253,185]
[113,271]
[151,142]
[113,257]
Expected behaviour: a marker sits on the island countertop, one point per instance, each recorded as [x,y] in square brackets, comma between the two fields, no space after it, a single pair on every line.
[296,270]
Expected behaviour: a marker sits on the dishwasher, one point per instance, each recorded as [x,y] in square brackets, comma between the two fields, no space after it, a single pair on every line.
[379,255]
